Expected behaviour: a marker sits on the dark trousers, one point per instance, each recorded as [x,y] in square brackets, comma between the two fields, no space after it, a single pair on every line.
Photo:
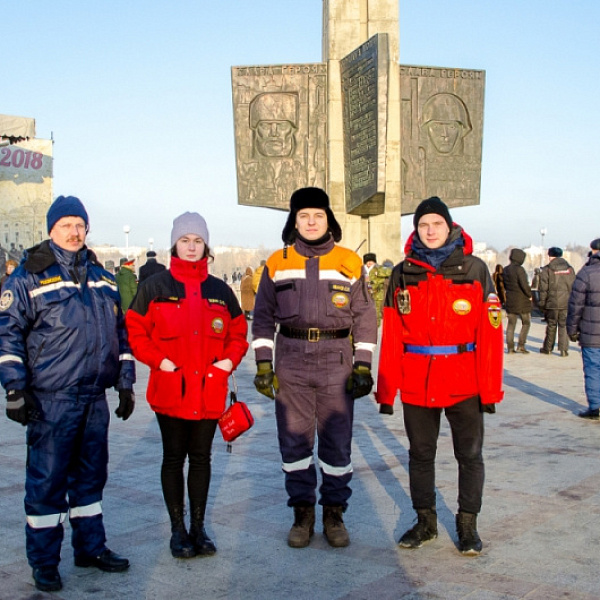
[183,438]
[556,319]
[67,458]
[510,329]
[423,427]
[312,399]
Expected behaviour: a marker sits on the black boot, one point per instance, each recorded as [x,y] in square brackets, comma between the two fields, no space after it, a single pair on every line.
[424,531]
[333,527]
[47,579]
[203,545]
[303,528]
[181,545]
[469,542]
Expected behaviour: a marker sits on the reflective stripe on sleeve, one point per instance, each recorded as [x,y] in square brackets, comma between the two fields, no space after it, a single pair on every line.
[364,346]
[335,471]
[91,510]
[262,343]
[126,357]
[102,283]
[299,465]
[11,358]
[44,521]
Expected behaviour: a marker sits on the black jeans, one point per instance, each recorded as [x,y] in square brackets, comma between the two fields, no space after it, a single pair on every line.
[423,428]
[183,438]
[556,319]
[510,329]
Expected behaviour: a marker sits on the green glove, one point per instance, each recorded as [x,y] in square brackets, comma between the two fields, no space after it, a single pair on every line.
[265,380]
[360,382]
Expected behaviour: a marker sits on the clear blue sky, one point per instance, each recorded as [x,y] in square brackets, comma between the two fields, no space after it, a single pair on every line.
[137,96]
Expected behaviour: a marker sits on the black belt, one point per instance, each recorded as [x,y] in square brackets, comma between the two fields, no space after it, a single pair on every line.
[313,334]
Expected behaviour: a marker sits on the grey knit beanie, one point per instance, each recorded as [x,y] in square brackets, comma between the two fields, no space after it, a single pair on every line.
[188,223]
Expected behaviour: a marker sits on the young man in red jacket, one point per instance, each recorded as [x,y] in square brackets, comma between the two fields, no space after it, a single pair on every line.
[442,348]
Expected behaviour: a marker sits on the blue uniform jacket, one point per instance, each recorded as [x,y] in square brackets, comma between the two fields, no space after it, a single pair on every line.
[61,326]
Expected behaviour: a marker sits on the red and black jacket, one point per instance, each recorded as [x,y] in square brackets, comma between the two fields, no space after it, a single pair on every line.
[193,319]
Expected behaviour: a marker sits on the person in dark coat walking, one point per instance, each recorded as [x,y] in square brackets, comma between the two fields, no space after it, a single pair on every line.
[556,280]
[499,284]
[518,301]
[583,326]
[151,267]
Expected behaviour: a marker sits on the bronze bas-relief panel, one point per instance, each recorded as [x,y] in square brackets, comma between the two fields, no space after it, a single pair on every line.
[442,135]
[280,124]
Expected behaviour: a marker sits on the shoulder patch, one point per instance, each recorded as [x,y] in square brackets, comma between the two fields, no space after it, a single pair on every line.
[6,300]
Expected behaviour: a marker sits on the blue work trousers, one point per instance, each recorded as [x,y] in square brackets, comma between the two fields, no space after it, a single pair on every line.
[67,459]
[312,399]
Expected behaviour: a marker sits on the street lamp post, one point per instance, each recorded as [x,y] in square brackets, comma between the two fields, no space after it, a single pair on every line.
[151,243]
[543,232]
[126,230]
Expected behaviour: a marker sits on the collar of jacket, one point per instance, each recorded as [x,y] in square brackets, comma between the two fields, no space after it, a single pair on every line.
[45,254]
[184,270]
[304,248]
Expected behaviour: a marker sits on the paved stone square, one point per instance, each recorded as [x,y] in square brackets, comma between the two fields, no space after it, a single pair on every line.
[539,522]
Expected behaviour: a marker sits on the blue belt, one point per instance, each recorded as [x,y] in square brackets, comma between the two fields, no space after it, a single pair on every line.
[458,349]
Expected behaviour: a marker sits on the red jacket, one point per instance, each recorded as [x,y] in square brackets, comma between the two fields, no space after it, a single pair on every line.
[452,307]
[194,320]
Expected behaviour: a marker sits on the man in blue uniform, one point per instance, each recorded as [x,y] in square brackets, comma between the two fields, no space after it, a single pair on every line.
[313,294]
[62,344]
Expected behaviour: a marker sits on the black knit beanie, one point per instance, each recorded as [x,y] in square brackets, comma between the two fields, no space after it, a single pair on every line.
[432,205]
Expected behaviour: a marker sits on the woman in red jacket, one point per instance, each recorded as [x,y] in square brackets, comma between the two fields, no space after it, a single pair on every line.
[187,326]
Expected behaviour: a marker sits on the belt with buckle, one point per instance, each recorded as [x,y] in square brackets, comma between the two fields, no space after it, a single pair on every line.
[457,349]
[313,334]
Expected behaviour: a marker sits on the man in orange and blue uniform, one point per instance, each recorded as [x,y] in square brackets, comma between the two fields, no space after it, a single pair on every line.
[313,295]
[442,348]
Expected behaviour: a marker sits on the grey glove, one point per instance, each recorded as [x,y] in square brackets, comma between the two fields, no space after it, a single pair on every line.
[574,337]
[126,404]
[21,407]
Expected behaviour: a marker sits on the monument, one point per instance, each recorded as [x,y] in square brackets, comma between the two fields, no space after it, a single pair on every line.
[378,136]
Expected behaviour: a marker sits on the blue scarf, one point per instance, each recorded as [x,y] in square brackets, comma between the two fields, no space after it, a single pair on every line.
[436,256]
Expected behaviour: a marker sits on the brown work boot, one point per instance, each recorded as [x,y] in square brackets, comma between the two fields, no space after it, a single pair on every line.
[303,528]
[334,528]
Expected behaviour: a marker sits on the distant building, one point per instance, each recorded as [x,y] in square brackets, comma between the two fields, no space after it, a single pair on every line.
[25,185]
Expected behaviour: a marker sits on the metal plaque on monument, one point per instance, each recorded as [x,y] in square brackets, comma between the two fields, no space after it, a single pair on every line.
[280,121]
[364,77]
[442,134]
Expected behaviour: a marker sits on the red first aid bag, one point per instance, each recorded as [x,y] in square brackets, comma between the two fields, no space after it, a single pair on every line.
[236,419]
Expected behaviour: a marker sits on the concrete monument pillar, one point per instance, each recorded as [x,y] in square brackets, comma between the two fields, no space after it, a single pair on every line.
[378,136]
[347,24]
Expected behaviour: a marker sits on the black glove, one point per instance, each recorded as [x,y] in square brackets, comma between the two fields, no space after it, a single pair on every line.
[574,337]
[386,409]
[265,380]
[21,407]
[126,404]
[487,408]
[360,382]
